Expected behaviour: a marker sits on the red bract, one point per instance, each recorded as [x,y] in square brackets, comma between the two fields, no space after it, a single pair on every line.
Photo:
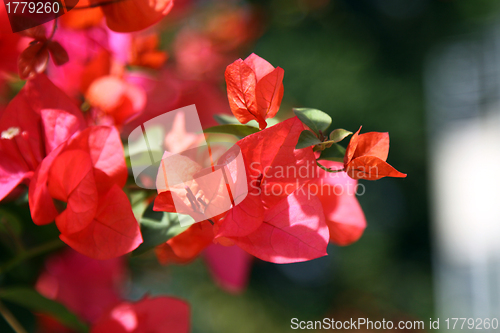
[254,89]
[229,265]
[145,53]
[366,156]
[279,220]
[82,18]
[90,58]
[292,231]
[87,172]
[202,193]
[116,98]
[187,245]
[43,139]
[10,48]
[170,92]
[36,121]
[337,193]
[113,232]
[35,57]
[150,315]
[272,164]
[134,15]
[86,286]
[197,56]
[5,27]
[232,27]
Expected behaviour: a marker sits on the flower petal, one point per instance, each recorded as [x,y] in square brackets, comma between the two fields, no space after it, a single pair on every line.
[351,147]
[159,314]
[294,230]
[260,66]
[58,126]
[337,193]
[113,232]
[71,179]
[373,144]
[187,245]
[271,159]
[241,84]
[104,145]
[230,266]
[269,93]
[371,168]
[134,15]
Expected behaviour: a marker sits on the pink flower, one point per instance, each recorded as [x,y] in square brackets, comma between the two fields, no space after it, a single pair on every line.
[149,315]
[86,286]
[337,193]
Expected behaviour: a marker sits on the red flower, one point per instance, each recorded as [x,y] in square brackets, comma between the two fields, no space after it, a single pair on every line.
[337,193]
[10,48]
[294,230]
[35,58]
[254,89]
[35,122]
[280,220]
[134,15]
[229,265]
[150,315]
[145,53]
[86,286]
[116,98]
[187,245]
[366,157]
[43,142]
[82,18]
[170,92]
[90,58]
[87,172]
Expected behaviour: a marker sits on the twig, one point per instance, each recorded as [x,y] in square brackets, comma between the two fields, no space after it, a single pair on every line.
[31,253]
[17,242]
[54,28]
[11,320]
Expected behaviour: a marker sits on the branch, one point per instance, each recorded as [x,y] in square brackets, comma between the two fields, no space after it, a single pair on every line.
[31,253]
[11,320]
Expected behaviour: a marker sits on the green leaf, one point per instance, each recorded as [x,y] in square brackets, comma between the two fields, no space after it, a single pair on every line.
[339,134]
[307,139]
[159,227]
[32,300]
[237,130]
[334,153]
[316,120]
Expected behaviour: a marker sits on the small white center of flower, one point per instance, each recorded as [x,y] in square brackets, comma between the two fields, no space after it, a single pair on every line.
[10,133]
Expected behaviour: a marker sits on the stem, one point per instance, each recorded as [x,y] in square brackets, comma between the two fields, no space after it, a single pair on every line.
[54,28]
[328,169]
[11,320]
[31,253]
[17,242]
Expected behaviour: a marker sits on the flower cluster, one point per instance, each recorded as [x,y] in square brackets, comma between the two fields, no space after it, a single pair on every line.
[295,205]
[61,143]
